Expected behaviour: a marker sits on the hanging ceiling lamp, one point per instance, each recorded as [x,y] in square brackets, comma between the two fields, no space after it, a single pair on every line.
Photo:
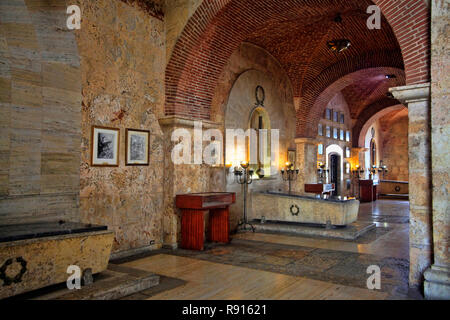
[339,45]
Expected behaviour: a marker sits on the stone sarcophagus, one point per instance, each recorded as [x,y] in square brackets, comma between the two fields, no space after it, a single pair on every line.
[282,207]
[34,256]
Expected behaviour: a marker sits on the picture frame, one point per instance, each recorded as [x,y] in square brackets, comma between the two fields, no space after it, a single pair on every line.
[105,146]
[137,147]
[291,156]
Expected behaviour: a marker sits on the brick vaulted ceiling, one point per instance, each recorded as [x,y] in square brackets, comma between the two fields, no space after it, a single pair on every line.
[296,32]
[301,44]
[361,94]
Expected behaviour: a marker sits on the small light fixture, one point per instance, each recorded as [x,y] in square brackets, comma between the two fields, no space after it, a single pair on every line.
[390,76]
[339,45]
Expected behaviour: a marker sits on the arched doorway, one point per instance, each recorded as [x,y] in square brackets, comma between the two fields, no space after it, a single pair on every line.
[261,148]
[335,163]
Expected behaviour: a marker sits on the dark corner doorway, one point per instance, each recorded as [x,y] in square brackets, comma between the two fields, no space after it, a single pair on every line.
[334,173]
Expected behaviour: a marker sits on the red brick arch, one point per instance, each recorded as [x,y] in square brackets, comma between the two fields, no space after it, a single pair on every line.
[218,27]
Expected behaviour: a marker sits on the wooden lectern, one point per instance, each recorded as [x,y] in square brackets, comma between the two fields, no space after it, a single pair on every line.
[368,190]
[193,208]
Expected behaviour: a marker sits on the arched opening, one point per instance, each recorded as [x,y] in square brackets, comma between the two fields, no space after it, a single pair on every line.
[335,165]
[260,123]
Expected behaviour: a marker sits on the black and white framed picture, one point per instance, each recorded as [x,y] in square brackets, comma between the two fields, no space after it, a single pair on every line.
[335,116]
[320,129]
[105,146]
[328,114]
[328,131]
[335,133]
[137,147]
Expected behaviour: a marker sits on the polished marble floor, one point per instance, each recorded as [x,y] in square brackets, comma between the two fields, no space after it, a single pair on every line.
[274,266]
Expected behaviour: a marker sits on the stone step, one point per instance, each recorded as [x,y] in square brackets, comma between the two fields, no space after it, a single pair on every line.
[350,232]
[114,283]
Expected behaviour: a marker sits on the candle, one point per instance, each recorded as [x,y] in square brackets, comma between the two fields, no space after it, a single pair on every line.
[244,164]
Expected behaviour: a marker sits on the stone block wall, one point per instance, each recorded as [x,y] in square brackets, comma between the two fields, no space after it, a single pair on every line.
[40,113]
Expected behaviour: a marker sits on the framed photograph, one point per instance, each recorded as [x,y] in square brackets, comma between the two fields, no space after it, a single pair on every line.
[328,132]
[291,156]
[137,144]
[320,130]
[335,133]
[105,147]
[335,116]
[328,114]
[342,118]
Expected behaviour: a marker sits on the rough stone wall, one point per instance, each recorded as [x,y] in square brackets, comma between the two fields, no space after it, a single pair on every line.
[394,127]
[40,113]
[181,179]
[440,124]
[122,67]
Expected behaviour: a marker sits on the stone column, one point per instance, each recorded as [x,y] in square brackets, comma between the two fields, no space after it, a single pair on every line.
[306,161]
[417,99]
[437,278]
[181,178]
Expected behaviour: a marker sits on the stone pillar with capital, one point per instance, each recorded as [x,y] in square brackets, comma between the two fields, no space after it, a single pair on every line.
[183,178]
[417,99]
[437,277]
[306,161]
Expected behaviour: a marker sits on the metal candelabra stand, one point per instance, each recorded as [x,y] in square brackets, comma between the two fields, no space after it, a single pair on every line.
[289,174]
[244,177]
[357,172]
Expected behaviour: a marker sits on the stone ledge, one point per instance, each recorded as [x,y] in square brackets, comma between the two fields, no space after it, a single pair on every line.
[351,232]
[186,122]
[114,283]
[412,93]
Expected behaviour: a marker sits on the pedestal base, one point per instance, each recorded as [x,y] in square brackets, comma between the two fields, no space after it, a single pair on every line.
[437,283]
